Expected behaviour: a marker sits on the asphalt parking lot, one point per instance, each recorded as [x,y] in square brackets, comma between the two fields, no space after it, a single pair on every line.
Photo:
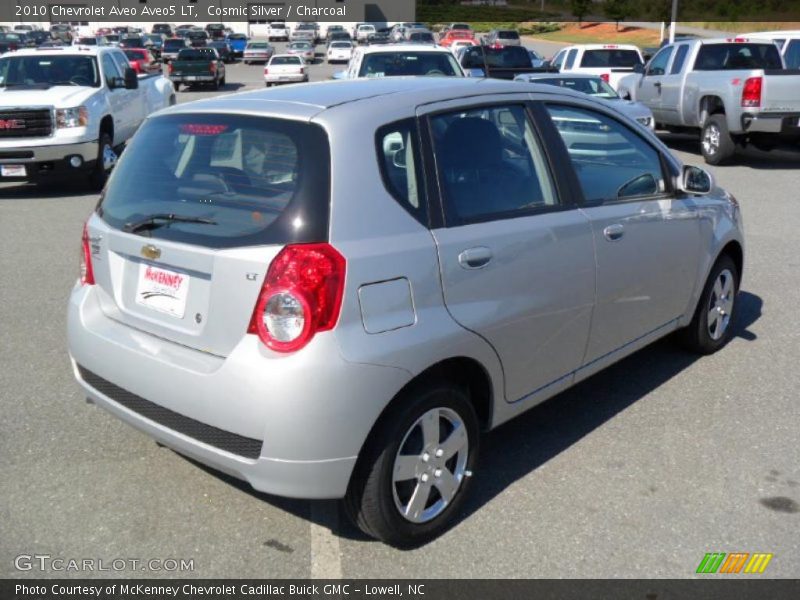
[637,472]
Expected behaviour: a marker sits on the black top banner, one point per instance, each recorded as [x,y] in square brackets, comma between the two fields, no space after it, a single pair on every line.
[191,11]
[429,11]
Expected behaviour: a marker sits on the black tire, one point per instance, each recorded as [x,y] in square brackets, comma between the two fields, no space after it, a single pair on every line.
[222,82]
[697,336]
[177,86]
[370,501]
[721,151]
[99,175]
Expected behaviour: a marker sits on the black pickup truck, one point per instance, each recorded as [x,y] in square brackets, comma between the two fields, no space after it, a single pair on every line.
[505,62]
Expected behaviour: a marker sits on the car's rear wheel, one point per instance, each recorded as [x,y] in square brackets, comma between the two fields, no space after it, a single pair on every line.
[414,471]
[712,325]
[716,142]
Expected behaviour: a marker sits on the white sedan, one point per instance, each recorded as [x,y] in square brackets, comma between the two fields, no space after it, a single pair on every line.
[340,51]
[285,68]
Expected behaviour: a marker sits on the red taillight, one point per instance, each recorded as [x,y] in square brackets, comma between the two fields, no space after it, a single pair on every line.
[751,92]
[170,68]
[86,272]
[213,67]
[301,295]
[302,70]
[605,77]
[266,71]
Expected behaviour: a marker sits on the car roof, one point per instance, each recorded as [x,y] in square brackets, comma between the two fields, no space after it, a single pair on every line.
[603,47]
[566,75]
[76,49]
[396,94]
[403,48]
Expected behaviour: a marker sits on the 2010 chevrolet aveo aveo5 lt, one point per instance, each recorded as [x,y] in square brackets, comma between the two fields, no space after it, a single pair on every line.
[329,290]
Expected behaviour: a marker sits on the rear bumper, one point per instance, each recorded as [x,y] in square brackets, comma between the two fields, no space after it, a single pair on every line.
[285,78]
[193,78]
[787,124]
[43,162]
[254,415]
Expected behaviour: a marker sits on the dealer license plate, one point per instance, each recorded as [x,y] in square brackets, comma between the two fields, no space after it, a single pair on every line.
[162,290]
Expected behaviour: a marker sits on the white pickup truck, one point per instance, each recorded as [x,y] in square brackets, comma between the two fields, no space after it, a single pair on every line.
[67,111]
[610,62]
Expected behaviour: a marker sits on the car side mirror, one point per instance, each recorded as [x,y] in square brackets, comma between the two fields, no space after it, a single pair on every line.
[131,81]
[638,68]
[695,180]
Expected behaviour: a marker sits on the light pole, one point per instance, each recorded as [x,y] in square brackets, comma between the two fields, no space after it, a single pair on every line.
[672,24]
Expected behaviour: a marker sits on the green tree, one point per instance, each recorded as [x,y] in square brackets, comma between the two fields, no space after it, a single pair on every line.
[616,10]
[579,8]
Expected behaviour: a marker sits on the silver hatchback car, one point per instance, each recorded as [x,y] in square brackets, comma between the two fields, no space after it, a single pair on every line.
[329,290]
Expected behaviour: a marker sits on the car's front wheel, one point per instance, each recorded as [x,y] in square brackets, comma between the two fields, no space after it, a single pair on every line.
[712,325]
[413,473]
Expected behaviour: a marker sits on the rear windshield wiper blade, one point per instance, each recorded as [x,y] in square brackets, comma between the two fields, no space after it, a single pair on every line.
[163,220]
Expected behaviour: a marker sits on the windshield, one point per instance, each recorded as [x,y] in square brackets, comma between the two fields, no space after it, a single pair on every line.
[725,57]
[174,44]
[610,58]
[393,64]
[347,45]
[257,45]
[48,70]
[262,181]
[237,36]
[593,86]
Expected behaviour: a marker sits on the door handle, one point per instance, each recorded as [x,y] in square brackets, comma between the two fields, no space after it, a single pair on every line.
[614,233]
[475,258]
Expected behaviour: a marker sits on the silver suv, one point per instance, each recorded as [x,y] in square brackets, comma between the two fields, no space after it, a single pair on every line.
[329,290]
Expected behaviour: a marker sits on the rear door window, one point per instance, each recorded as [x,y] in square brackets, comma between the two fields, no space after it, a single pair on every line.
[490,165]
[792,54]
[250,180]
[680,58]
[570,59]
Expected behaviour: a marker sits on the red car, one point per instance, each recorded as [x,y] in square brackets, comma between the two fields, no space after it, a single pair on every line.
[142,61]
[456,34]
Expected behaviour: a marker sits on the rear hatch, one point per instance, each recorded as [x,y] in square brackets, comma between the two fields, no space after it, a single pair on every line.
[193,214]
[194,62]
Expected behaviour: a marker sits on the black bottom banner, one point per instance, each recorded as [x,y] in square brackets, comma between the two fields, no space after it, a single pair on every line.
[430,589]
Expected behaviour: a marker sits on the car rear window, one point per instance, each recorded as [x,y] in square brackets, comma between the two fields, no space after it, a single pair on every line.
[508,35]
[286,60]
[196,54]
[508,57]
[257,180]
[174,44]
[727,57]
[610,58]
[393,64]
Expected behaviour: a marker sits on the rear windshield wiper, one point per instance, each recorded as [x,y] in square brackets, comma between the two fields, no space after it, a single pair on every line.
[162,220]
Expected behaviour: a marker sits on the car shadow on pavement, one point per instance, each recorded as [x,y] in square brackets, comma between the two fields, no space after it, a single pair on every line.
[522,445]
[783,157]
[65,190]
